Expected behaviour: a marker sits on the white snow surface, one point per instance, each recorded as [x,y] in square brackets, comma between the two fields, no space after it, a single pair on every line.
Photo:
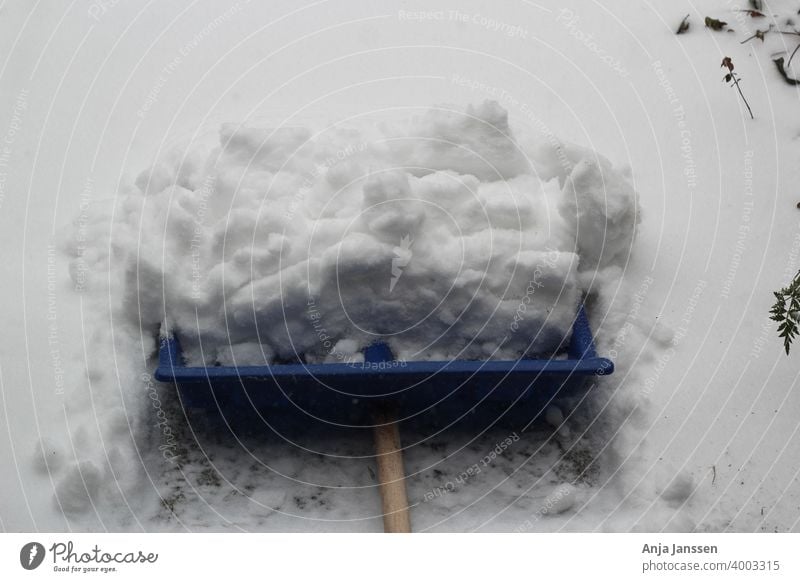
[697,429]
[440,236]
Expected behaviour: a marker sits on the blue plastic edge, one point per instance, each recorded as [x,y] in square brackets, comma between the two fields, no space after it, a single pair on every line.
[583,361]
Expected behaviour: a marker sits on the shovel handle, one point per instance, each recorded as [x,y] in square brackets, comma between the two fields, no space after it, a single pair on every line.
[391,474]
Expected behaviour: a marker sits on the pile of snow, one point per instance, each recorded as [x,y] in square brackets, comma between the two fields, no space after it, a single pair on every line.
[447,236]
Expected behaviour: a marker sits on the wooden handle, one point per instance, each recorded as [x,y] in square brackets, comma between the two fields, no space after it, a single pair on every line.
[391,474]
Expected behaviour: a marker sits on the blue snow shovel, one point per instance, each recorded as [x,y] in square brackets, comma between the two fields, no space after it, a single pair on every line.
[381,392]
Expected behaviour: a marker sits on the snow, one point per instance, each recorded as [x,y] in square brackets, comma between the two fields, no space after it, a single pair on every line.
[695,431]
[560,500]
[436,235]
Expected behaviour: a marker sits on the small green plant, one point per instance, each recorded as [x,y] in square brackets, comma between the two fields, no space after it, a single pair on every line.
[733,79]
[786,311]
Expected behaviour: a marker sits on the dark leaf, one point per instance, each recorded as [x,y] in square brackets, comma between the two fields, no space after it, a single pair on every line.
[779,65]
[684,25]
[728,78]
[727,62]
[715,24]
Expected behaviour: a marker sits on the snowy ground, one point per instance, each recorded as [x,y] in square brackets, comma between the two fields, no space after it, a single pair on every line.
[696,430]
